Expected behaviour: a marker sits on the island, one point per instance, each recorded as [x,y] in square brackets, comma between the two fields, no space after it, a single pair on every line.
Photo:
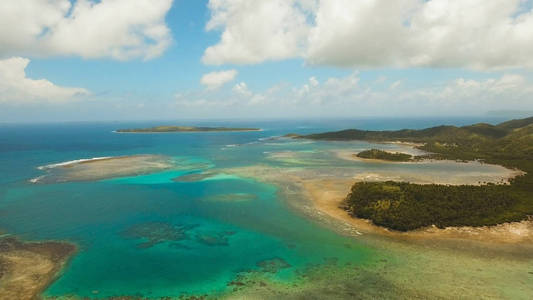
[162,129]
[377,154]
[405,206]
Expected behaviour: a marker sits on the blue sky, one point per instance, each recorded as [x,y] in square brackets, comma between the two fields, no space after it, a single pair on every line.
[299,58]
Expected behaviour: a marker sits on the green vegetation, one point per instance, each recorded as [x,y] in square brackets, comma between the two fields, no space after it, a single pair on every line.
[405,206]
[183,129]
[384,155]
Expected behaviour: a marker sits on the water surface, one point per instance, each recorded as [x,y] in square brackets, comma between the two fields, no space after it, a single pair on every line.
[153,236]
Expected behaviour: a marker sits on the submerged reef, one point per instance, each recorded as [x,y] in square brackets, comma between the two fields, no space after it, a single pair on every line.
[194,177]
[154,233]
[231,197]
[214,238]
[327,280]
[273,265]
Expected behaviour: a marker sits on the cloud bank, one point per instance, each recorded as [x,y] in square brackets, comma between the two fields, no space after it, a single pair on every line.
[474,34]
[117,29]
[349,96]
[15,87]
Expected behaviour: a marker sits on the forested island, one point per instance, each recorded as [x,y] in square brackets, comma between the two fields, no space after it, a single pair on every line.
[384,155]
[407,206]
[158,129]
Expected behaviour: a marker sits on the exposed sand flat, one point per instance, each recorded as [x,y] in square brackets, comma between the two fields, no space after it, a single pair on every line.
[27,268]
[103,168]
[497,174]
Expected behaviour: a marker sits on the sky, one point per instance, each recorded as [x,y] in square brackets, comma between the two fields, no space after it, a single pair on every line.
[88,60]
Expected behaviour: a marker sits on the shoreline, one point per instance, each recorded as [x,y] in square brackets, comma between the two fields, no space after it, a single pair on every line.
[323,196]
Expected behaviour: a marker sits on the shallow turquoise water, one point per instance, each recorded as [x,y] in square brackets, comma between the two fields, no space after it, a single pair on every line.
[221,238]
[95,214]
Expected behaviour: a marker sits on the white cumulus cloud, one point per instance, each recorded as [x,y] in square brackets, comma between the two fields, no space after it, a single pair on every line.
[119,29]
[255,31]
[16,87]
[215,80]
[474,34]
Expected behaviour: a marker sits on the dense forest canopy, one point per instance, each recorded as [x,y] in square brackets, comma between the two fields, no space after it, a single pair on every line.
[384,155]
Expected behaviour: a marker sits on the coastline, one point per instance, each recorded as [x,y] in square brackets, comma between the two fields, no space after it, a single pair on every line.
[323,196]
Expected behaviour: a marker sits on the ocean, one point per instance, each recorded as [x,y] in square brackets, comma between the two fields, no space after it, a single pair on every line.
[152,236]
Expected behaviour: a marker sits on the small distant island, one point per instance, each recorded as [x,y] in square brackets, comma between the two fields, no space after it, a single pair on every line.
[384,155]
[160,129]
[407,206]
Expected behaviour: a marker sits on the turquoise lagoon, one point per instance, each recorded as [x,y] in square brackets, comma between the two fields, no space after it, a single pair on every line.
[152,236]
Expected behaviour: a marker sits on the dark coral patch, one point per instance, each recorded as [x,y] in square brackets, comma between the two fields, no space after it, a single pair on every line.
[153,233]
[215,238]
[273,265]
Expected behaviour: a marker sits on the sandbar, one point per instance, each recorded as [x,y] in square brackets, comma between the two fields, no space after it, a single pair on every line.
[103,168]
